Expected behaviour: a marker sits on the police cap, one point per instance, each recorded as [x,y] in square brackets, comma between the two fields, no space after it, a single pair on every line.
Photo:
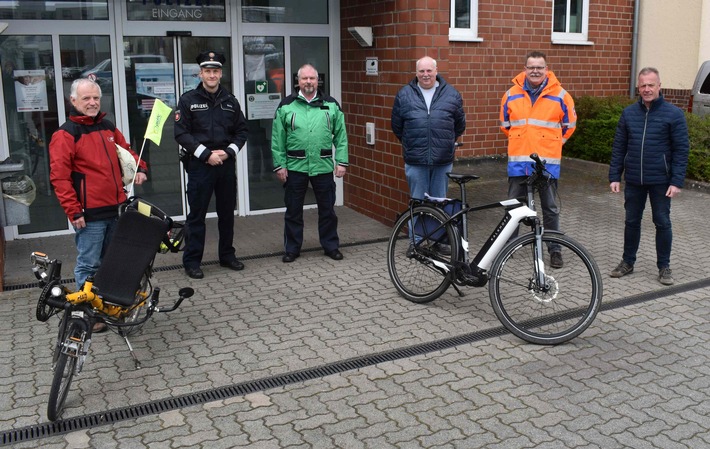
[211,59]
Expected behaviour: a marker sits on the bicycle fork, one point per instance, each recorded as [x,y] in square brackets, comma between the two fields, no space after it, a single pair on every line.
[76,346]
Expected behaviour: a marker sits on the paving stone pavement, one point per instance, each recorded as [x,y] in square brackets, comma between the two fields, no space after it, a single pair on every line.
[638,377]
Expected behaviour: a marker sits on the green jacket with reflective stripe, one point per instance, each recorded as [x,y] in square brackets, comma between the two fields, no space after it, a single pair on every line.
[309,137]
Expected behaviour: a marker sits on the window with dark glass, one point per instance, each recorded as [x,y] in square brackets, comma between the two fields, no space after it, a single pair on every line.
[567,16]
[54,10]
[285,11]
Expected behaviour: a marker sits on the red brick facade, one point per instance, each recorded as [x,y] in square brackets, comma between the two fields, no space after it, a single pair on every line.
[406,30]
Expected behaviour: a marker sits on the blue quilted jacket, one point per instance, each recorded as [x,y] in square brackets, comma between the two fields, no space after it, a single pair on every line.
[428,137]
[651,145]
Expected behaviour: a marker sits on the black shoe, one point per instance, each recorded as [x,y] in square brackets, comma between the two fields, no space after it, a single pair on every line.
[289,257]
[194,273]
[232,265]
[335,254]
[556,259]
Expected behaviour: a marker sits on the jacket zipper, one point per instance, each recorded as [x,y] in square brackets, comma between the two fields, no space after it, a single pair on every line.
[643,140]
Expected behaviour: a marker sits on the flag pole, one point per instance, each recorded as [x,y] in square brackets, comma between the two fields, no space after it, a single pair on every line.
[138,163]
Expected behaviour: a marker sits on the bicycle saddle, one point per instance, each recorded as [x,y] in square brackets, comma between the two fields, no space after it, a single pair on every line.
[461,179]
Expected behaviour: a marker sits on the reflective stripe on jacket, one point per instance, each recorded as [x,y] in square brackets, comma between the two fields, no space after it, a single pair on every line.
[541,128]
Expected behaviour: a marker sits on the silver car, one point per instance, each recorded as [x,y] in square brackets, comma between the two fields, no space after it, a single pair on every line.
[700,95]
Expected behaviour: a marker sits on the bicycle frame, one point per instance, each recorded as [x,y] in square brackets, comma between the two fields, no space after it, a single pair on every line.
[516,212]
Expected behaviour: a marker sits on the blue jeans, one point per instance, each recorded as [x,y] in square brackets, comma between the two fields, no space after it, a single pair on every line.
[429,179]
[91,244]
[635,203]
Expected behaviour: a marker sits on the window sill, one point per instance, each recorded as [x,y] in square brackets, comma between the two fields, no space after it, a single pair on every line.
[465,39]
[571,42]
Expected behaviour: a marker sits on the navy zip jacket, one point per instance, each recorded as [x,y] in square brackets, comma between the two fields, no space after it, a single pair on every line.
[428,137]
[651,145]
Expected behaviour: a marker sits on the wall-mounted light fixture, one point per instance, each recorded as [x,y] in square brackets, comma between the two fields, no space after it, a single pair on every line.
[363,35]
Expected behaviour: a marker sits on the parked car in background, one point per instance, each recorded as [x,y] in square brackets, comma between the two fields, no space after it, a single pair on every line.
[103,74]
[700,94]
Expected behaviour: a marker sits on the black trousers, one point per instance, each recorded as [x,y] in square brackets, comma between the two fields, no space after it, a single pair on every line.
[295,187]
[203,180]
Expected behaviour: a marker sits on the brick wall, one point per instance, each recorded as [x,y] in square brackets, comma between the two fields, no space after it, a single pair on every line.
[406,30]
[678,97]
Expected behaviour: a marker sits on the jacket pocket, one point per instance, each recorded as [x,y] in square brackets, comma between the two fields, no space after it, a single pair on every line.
[296,154]
[79,183]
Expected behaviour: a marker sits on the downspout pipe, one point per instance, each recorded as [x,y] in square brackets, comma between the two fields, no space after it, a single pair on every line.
[634,50]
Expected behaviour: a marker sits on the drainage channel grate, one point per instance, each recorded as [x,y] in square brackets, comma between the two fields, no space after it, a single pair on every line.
[60,427]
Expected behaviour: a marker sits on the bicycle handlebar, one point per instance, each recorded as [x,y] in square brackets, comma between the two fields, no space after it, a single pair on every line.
[540,175]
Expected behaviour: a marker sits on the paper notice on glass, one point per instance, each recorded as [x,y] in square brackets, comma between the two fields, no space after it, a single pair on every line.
[262,106]
[30,90]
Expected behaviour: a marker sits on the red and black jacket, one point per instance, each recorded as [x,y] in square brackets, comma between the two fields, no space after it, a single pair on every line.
[84,167]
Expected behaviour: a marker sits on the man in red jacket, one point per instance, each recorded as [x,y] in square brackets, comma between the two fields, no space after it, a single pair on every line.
[86,175]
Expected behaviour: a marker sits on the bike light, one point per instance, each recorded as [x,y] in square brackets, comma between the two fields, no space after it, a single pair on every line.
[56,291]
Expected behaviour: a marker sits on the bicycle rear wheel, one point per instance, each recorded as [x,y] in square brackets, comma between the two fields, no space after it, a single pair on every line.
[65,368]
[551,315]
[418,273]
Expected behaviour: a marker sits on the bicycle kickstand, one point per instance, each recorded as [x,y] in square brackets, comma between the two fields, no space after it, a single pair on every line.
[130,349]
[458,290]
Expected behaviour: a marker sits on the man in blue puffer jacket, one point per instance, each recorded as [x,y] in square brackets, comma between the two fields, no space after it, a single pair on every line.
[428,117]
[651,147]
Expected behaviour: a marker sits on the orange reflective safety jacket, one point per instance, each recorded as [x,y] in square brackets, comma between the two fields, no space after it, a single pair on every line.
[541,128]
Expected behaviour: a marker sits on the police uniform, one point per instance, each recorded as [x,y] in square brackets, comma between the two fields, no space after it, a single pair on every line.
[205,122]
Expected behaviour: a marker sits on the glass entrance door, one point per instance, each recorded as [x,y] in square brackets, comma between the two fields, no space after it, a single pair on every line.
[152,66]
[267,80]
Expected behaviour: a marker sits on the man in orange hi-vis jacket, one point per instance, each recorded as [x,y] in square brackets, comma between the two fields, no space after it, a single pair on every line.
[538,116]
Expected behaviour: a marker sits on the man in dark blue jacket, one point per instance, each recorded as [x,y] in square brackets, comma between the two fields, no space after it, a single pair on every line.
[428,117]
[651,149]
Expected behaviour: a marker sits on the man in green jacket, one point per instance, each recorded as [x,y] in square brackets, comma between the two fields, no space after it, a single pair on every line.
[308,127]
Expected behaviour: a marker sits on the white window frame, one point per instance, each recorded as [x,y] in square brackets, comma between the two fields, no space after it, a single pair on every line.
[572,38]
[469,34]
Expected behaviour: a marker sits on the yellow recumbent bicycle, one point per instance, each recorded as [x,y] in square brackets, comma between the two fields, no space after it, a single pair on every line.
[120,294]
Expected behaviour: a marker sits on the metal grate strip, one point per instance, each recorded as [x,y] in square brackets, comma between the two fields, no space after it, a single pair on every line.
[60,427]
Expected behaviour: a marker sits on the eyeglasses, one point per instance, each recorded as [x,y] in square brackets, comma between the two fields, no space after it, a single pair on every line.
[536,68]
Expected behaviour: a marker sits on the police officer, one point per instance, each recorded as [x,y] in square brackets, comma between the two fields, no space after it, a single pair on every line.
[211,128]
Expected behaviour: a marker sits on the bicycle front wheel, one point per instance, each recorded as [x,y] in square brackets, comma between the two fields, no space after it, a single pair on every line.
[65,367]
[420,272]
[551,314]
